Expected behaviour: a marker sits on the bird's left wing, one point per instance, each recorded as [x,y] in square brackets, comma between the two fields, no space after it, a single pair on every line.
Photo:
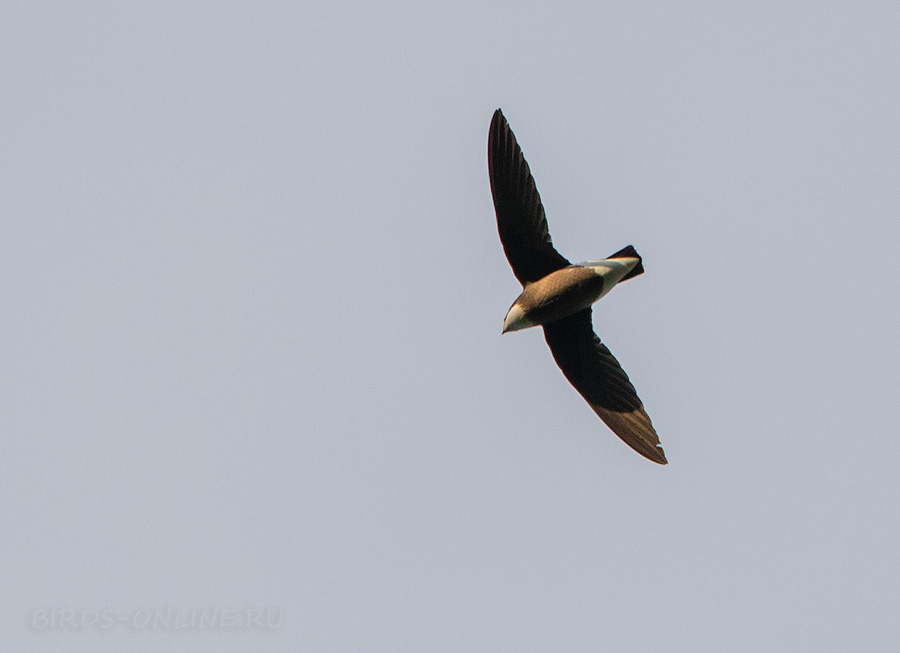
[520,214]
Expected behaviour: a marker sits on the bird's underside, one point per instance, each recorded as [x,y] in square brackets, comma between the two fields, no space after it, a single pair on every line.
[584,360]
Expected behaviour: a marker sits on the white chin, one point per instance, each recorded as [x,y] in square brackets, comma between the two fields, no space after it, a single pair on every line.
[516,320]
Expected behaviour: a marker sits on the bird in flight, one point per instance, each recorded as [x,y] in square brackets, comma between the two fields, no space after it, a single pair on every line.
[558,295]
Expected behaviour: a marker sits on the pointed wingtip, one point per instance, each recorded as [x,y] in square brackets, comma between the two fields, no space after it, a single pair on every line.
[498,119]
[651,452]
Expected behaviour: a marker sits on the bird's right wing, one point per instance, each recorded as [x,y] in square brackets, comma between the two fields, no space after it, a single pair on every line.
[592,369]
[520,214]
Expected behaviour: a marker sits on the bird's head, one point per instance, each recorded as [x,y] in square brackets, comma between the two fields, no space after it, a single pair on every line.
[515,319]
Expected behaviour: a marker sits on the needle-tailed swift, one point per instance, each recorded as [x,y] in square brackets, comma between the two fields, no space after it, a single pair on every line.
[558,295]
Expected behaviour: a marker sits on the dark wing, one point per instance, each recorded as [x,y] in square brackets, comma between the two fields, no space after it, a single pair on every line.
[520,215]
[597,375]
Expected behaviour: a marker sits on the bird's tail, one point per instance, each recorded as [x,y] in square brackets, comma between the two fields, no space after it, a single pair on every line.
[630,252]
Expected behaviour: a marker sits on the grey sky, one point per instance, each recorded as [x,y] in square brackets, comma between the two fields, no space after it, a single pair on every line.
[252,294]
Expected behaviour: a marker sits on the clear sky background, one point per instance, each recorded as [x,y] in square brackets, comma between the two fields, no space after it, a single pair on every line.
[252,294]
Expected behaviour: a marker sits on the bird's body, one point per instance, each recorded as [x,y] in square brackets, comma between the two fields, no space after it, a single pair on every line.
[566,291]
[558,295]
